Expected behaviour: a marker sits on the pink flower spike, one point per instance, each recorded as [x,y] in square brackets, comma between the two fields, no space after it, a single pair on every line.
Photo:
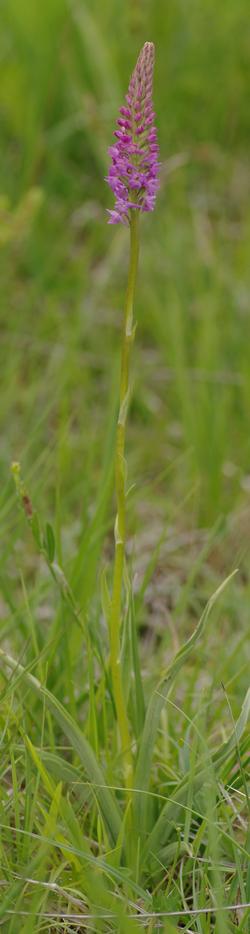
[134,165]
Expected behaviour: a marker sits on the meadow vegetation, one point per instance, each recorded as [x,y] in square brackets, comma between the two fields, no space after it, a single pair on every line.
[78,853]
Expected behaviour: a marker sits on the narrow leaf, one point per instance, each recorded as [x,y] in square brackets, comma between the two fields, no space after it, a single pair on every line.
[49,543]
[170,813]
[71,729]
[158,697]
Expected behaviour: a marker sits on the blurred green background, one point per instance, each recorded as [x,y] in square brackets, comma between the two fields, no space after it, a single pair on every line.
[64,72]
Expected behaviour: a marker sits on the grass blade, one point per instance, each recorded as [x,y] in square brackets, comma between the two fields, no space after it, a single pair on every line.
[158,697]
[106,801]
[170,814]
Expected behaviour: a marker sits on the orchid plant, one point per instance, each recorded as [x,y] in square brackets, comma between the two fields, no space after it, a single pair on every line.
[114,849]
[133,179]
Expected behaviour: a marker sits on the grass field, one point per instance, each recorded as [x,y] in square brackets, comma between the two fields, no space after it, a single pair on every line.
[78,850]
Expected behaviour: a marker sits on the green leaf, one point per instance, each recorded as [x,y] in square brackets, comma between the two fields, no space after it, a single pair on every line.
[105,597]
[102,793]
[224,751]
[138,702]
[170,813]
[157,699]
[49,543]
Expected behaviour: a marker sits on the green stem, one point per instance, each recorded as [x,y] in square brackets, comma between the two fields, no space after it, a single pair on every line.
[120,524]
